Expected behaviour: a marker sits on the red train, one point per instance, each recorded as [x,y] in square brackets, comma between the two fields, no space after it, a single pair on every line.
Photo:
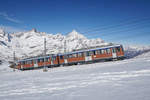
[91,55]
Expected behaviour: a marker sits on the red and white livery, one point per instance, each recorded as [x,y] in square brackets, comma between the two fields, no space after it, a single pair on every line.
[95,54]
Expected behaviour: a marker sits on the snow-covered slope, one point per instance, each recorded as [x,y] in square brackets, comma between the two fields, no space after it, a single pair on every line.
[117,80]
[4,67]
[4,45]
[30,43]
[132,51]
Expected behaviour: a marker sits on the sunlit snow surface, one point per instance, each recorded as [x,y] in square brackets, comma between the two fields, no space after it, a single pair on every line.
[119,80]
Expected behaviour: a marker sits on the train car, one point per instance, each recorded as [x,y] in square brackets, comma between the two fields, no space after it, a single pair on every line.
[38,62]
[90,55]
[72,58]
[95,54]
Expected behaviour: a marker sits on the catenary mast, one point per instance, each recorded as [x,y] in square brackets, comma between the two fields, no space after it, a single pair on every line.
[45,69]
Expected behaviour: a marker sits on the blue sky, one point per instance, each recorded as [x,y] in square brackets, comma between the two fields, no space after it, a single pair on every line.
[120,21]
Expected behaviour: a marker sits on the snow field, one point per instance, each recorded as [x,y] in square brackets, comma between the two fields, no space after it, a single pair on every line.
[118,80]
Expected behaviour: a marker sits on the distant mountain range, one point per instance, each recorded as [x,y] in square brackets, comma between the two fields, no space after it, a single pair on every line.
[31,43]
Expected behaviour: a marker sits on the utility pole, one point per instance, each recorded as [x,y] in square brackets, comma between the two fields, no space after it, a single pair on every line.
[65,46]
[45,69]
[14,58]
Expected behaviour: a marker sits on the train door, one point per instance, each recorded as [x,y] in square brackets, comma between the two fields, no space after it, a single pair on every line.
[114,55]
[65,59]
[58,60]
[22,64]
[52,60]
[88,56]
[35,63]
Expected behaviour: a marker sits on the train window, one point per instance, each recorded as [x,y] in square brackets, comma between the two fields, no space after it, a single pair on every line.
[38,60]
[70,56]
[27,62]
[108,51]
[97,52]
[94,52]
[35,61]
[74,55]
[61,57]
[87,53]
[23,62]
[118,49]
[65,56]
[42,60]
[30,61]
[46,59]
[102,51]
[53,58]
[80,54]
[113,50]
[90,53]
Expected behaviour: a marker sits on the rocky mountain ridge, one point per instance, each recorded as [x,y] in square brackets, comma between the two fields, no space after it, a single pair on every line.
[31,43]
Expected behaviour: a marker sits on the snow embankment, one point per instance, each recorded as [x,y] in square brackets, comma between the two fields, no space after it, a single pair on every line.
[4,67]
[117,80]
[130,52]
[134,51]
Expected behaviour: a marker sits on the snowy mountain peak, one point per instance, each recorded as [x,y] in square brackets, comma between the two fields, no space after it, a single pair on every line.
[2,32]
[74,32]
[33,30]
[75,35]
[30,43]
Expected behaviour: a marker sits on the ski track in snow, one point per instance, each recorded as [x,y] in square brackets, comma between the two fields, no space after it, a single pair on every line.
[125,80]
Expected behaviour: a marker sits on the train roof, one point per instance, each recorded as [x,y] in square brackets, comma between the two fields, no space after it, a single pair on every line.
[73,52]
[37,57]
[91,49]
